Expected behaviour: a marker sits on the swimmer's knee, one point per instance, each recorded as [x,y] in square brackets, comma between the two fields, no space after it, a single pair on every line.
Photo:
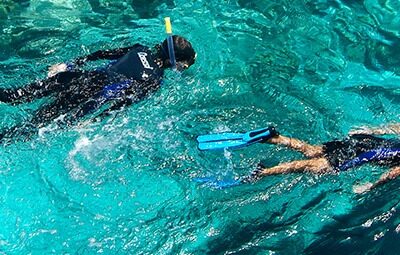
[314,151]
[320,166]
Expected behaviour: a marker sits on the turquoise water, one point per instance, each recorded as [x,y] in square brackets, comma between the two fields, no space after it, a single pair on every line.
[313,68]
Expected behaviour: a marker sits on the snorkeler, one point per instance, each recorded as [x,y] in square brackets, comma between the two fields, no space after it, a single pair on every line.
[134,73]
[360,147]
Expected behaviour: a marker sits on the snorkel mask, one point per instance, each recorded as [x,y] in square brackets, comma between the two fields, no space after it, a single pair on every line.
[171,52]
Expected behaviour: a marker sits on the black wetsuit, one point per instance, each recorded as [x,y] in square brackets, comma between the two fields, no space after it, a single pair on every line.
[340,153]
[132,75]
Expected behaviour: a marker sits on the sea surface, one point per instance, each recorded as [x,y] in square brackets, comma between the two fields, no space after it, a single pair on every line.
[315,69]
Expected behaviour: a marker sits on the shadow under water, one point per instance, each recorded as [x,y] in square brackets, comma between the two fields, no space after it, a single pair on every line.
[371,227]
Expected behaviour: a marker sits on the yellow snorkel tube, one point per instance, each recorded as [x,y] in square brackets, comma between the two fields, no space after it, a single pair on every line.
[171,52]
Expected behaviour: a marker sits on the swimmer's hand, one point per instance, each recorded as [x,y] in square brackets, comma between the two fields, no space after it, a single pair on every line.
[363,130]
[360,189]
[389,129]
[59,68]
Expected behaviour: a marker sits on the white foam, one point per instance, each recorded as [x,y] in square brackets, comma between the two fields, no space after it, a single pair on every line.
[77,172]
[167,124]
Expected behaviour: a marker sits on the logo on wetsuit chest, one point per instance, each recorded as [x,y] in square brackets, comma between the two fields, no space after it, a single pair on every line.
[143,59]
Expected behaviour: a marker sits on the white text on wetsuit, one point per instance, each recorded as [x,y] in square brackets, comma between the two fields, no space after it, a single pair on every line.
[143,59]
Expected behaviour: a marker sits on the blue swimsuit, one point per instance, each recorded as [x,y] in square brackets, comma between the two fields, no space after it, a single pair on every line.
[360,149]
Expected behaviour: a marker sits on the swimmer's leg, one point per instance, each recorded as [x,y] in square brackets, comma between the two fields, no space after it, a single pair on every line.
[44,116]
[315,166]
[25,131]
[77,100]
[74,107]
[80,111]
[310,151]
[51,111]
[38,89]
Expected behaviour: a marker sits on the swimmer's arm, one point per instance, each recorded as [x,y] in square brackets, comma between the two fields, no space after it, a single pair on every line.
[386,177]
[390,129]
[392,174]
[104,54]
[101,54]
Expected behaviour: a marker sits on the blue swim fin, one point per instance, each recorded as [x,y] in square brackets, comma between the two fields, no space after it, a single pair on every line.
[234,140]
[214,183]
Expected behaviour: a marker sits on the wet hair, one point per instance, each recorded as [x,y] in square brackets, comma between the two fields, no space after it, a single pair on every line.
[184,51]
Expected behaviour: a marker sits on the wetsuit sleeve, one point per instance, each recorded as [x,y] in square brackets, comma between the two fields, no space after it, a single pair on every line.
[104,54]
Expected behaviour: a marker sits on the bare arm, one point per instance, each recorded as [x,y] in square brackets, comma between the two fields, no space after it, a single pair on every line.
[390,129]
[386,177]
[392,174]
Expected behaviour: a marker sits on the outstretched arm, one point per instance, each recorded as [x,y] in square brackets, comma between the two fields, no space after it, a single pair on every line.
[390,129]
[104,54]
[386,177]
[101,54]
